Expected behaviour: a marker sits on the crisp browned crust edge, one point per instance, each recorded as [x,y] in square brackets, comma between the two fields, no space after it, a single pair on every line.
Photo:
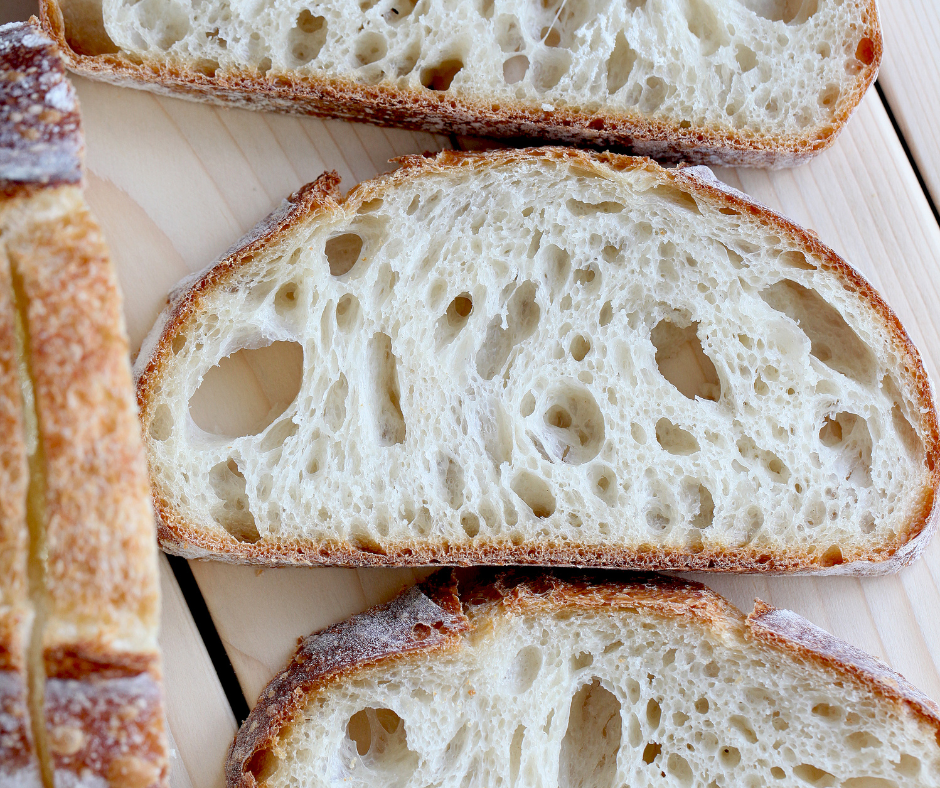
[426,618]
[446,112]
[331,656]
[101,557]
[17,754]
[100,563]
[178,536]
[785,629]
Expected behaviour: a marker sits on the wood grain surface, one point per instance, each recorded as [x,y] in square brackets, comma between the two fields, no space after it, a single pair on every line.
[174,184]
[910,79]
[185,198]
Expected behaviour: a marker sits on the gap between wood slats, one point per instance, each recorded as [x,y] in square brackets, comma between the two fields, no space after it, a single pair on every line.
[210,636]
[907,151]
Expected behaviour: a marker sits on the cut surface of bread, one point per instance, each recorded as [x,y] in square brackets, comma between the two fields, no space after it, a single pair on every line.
[537,357]
[766,82]
[598,680]
[95,708]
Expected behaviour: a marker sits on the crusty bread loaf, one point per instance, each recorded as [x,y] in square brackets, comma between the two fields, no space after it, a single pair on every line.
[95,700]
[596,680]
[759,82]
[537,357]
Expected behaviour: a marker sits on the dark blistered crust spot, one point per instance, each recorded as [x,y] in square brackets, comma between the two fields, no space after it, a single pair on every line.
[91,660]
[40,132]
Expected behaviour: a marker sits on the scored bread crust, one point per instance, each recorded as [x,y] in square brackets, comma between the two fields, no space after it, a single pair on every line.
[434,617]
[99,604]
[321,198]
[101,599]
[442,111]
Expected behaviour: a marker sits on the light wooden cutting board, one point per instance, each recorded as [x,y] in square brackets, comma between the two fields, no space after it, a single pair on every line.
[174,184]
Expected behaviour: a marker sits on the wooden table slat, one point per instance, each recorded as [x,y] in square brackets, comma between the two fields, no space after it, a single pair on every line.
[910,79]
[174,184]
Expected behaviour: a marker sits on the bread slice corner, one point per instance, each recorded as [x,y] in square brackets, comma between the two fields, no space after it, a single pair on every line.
[568,678]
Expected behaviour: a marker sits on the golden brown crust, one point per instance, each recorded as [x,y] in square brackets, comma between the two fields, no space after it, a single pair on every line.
[331,656]
[100,571]
[444,111]
[17,755]
[14,534]
[315,201]
[94,468]
[100,600]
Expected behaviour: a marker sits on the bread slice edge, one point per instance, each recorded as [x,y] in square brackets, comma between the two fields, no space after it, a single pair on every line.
[428,110]
[432,618]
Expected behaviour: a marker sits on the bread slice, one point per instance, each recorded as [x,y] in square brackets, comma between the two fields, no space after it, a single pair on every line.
[537,356]
[96,708]
[594,680]
[742,82]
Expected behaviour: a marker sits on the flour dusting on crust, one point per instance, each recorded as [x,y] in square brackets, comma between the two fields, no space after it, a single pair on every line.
[40,131]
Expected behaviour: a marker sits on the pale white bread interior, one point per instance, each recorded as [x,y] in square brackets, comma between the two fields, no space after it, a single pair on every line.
[537,357]
[576,681]
[739,81]
[95,706]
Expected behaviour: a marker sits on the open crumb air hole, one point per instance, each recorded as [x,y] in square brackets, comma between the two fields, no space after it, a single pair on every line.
[400,9]
[573,425]
[849,436]
[682,361]
[522,318]
[439,77]
[786,11]
[380,743]
[588,757]
[263,764]
[620,64]
[342,253]
[515,68]
[454,319]
[248,390]
[307,37]
[386,394]
[832,340]
[232,511]
[535,493]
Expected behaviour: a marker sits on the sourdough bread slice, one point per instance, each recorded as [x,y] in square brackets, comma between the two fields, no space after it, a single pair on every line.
[95,700]
[597,680]
[537,357]
[744,82]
